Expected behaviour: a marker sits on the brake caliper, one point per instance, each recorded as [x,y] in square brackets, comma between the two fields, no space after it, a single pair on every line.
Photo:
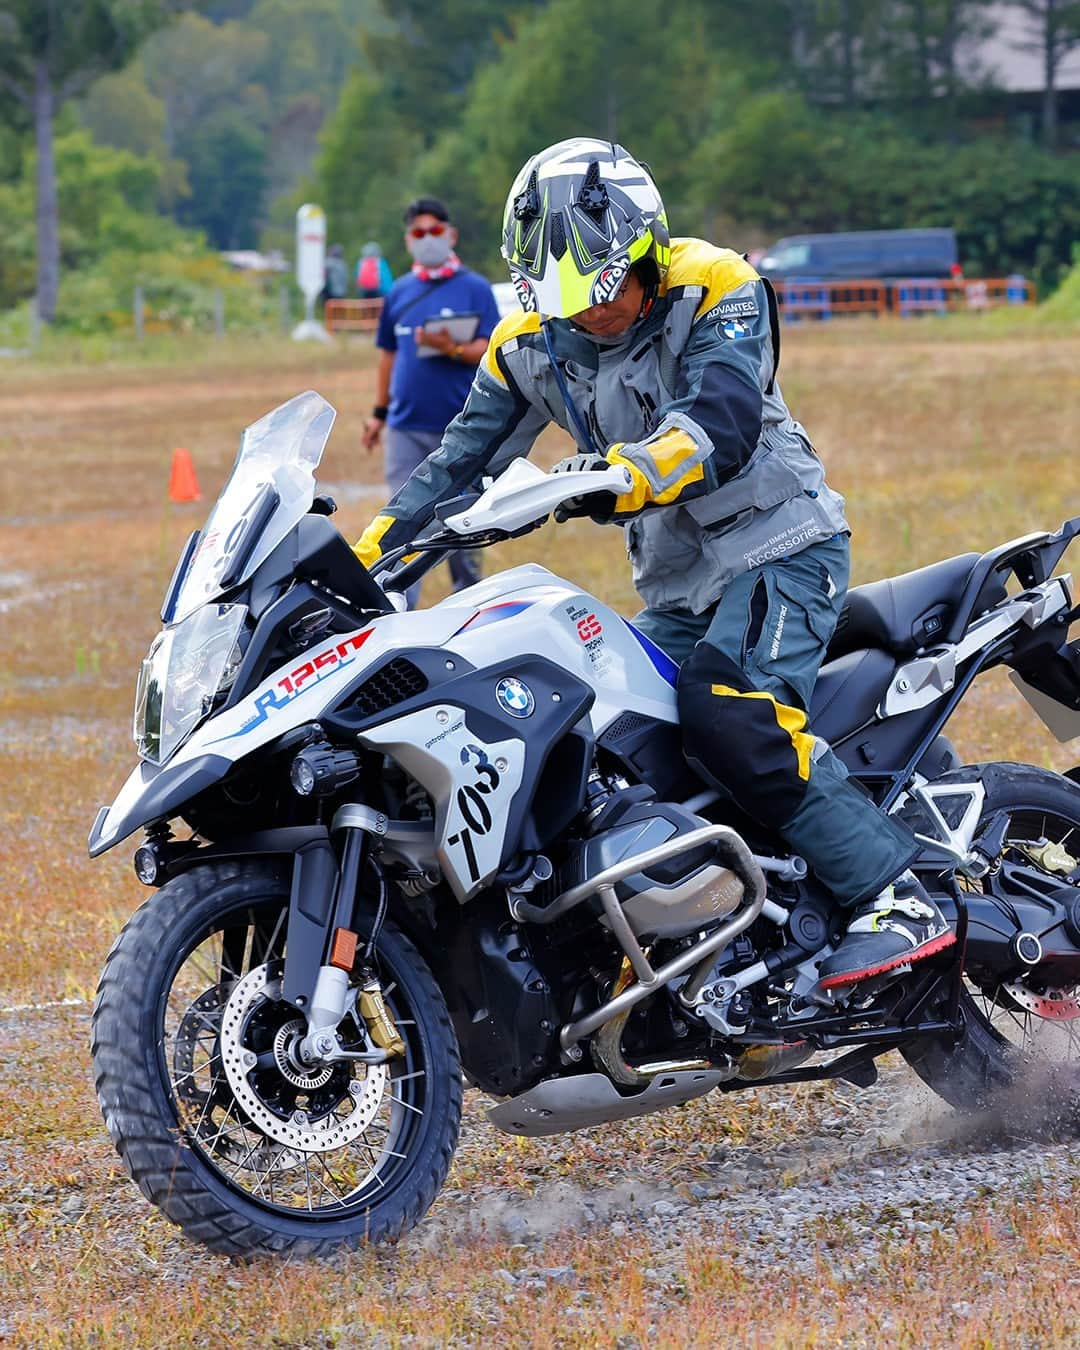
[377,1017]
[1050,856]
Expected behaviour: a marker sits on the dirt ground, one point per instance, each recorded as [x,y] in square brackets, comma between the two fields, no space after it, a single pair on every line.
[820,1215]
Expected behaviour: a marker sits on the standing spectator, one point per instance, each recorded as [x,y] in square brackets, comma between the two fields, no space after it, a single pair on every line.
[373,275]
[336,274]
[433,331]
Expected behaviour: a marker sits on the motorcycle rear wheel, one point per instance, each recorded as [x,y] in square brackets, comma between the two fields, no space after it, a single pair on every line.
[1011,1031]
[285,1168]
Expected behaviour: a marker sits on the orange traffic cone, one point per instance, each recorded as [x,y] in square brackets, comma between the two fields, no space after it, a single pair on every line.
[183,485]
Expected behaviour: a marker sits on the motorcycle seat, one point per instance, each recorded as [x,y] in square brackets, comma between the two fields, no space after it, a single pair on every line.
[848,691]
[902,614]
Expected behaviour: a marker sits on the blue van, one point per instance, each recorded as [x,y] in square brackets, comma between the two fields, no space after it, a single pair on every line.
[861,255]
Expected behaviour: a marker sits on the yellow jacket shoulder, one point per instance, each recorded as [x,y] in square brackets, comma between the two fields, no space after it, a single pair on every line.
[512,326]
[696,262]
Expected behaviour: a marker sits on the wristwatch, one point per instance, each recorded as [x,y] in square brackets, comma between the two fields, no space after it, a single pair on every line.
[379,411]
[455,351]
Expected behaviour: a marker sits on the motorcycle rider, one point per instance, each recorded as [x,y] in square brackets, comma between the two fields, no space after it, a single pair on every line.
[661,355]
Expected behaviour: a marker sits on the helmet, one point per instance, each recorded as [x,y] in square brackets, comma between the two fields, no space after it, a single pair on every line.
[579,215]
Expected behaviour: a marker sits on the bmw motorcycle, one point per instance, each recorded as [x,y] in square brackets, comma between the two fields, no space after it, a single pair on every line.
[390,850]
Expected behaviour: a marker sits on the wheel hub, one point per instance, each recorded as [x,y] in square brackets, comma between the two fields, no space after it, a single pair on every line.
[299,1129]
[292,1069]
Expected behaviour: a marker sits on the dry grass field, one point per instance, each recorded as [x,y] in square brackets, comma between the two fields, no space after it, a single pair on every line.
[943,441]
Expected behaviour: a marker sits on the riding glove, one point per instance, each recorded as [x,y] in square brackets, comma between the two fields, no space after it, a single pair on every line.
[599,505]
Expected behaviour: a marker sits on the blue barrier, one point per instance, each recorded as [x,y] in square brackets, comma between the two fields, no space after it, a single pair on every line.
[806,297]
[1016,289]
[920,297]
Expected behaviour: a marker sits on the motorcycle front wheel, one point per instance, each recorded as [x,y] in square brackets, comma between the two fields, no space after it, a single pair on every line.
[235,1138]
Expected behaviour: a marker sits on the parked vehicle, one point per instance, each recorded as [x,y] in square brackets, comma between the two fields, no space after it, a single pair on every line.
[466,838]
[866,255]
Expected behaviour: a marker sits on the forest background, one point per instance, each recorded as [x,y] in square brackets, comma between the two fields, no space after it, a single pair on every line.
[180,130]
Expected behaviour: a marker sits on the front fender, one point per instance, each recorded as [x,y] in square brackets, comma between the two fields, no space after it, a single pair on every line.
[152,793]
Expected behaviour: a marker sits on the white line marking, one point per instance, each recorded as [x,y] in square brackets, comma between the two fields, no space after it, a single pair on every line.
[44,1007]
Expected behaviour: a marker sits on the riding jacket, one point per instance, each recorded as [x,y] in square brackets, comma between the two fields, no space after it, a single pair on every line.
[724,478]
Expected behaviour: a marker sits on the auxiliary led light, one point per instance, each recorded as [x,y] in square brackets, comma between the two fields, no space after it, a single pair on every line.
[149,866]
[321,770]
[302,777]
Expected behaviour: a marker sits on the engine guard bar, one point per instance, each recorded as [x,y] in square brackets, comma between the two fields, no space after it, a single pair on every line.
[739,859]
[732,850]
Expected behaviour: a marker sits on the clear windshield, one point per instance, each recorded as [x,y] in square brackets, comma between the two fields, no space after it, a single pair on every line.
[270,489]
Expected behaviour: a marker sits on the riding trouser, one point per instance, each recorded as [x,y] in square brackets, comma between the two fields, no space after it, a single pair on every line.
[748,669]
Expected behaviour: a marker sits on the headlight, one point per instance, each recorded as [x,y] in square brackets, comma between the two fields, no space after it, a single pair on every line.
[186,667]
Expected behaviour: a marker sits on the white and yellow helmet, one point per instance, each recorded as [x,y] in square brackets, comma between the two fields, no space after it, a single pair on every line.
[579,215]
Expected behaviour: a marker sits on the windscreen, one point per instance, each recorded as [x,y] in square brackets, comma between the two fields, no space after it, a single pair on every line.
[271,488]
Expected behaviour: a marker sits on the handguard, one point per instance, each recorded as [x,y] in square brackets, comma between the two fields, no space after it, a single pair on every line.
[524,494]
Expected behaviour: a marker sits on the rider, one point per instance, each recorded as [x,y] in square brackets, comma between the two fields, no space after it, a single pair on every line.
[660,355]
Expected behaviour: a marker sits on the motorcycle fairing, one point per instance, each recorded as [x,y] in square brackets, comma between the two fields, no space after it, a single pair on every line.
[575,631]
[586,639]
[289,696]
[154,793]
[480,763]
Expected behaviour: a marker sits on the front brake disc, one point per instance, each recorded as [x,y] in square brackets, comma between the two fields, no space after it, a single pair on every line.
[298,1130]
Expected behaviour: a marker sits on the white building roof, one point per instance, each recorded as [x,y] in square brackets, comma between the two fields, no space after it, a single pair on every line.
[1012,56]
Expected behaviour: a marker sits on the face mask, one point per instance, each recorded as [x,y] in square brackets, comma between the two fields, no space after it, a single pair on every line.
[430,251]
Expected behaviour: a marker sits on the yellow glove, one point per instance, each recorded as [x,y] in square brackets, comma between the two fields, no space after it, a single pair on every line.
[367,548]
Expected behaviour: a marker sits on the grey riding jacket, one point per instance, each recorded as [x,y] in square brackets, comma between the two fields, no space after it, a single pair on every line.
[724,477]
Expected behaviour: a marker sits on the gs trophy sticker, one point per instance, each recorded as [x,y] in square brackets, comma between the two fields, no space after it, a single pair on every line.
[310,269]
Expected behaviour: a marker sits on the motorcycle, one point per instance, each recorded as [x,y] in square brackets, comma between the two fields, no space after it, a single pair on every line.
[414,846]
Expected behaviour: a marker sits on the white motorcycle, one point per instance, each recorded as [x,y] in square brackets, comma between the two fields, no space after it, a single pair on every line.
[411,844]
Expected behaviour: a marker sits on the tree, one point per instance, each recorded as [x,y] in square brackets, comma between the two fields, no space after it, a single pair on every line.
[419,57]
[106,203]
[429,51]
[207,78]
[50,52]
[309,52]
[227,168]
[1055,26]
[581,67]
[120,111]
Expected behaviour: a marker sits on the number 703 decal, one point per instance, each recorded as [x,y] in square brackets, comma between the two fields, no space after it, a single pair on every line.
[474,808]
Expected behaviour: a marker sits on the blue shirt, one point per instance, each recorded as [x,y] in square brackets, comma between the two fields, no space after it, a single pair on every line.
[427,392]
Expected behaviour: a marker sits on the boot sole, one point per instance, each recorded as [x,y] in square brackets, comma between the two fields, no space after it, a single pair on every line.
[931,948]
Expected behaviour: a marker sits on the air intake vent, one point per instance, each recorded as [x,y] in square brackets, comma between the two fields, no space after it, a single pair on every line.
[626,725]
[558,236]
[394,683]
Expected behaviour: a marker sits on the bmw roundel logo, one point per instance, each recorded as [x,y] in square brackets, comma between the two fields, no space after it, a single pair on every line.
[516,698]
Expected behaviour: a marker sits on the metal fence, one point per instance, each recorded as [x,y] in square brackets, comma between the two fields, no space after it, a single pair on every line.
[820,300]
[809,299]
[352,316]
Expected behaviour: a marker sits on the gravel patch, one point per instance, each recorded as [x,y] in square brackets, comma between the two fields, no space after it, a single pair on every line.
[885,1164]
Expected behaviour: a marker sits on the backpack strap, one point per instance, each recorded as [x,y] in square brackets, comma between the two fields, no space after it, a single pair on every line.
[585,439]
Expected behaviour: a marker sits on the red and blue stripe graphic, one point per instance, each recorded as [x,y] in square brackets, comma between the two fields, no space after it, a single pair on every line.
[664,666]
[507,609]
